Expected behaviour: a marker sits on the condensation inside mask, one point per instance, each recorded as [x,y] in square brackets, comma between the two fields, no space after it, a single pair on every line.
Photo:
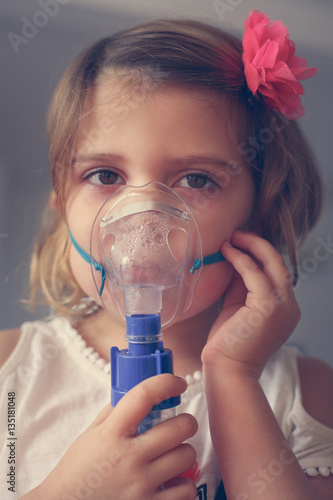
[147,239]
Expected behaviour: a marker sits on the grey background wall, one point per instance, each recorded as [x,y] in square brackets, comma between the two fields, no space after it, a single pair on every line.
[48,34]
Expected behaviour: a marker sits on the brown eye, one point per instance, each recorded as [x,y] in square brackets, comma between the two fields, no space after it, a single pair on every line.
[103,177]
[196,181]
[107,177]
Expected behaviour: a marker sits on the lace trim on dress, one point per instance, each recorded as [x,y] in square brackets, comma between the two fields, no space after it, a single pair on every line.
[94,357]
[81,346]
[194,379]
[318,471]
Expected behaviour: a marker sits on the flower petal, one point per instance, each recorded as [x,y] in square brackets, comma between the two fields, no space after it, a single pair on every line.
[255,17]
[252,77]
[252,45]
[283,72]
[271,66]
[266,56]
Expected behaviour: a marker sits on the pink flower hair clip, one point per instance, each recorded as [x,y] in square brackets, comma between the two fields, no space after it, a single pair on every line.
[271,67]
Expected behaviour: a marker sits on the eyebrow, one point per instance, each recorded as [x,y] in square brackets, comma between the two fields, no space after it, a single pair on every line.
[95,157]
[179,162]
[197,159]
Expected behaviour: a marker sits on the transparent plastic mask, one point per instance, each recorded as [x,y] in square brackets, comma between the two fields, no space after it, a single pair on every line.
[147,239]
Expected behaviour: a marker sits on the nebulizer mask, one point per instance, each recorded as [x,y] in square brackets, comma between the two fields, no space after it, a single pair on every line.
[146,258]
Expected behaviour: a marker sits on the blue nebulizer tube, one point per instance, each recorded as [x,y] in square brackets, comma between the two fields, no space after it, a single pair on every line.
[146,239]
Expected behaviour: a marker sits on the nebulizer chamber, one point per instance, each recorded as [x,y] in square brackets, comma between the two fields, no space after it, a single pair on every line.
[146,239]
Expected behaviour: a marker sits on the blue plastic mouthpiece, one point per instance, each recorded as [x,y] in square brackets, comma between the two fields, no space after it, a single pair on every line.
[144,358]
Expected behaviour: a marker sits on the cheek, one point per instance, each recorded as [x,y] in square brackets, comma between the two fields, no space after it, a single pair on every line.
[212,284]
[83,274]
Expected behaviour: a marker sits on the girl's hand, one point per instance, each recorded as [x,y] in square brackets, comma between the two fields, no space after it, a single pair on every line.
[259,312]
[111,461]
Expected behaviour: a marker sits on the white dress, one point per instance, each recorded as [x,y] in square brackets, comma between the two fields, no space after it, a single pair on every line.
[54,386]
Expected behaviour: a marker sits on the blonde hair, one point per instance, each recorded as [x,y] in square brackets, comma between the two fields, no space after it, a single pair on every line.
[191,54]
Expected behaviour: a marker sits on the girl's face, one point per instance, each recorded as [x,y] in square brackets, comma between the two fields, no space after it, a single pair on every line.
[176,136]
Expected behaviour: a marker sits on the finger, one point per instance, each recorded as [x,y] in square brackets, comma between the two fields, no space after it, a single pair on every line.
[236,292]
[172,464]
[139,401]
[254,278]
[101,417]
[234,299]
[178,487]
[168,435]
[271,261]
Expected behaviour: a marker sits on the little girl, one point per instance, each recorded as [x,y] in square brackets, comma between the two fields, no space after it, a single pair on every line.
[189,106]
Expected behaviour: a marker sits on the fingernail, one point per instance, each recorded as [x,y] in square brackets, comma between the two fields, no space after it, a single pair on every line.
[183,382]
[226,244]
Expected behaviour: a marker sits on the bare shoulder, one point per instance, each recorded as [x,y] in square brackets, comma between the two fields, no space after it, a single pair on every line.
[8,341]
[317,388]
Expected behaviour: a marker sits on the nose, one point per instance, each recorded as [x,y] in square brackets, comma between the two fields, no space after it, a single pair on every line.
[148,169]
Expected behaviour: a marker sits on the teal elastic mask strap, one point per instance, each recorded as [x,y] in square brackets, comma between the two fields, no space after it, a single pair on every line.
[86,257]
[209,259]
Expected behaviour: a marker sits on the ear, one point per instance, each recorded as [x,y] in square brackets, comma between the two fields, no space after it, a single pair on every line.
[53,201]
[55,205]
